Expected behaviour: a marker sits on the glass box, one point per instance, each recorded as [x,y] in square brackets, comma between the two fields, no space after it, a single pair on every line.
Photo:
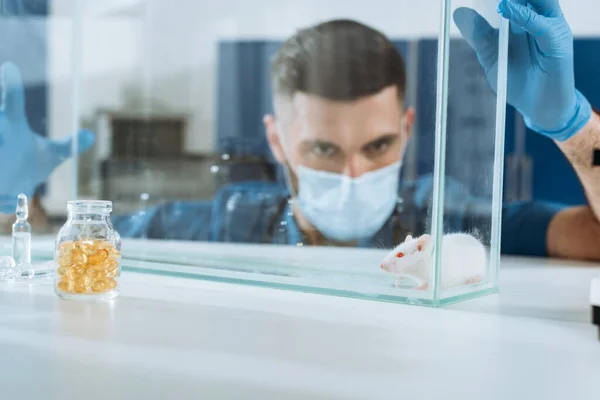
[278,143]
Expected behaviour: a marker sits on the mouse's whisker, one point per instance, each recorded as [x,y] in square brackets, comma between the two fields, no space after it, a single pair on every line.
[379,244]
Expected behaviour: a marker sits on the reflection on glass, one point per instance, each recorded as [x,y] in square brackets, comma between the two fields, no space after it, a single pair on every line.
[333,154]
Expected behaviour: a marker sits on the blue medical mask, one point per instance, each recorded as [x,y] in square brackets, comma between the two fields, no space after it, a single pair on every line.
[344,208]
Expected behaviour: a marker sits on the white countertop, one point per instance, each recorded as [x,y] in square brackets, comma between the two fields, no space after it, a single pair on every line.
[169,338]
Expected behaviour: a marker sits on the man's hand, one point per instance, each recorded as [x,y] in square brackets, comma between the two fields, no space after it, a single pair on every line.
[541,82]
[26,158]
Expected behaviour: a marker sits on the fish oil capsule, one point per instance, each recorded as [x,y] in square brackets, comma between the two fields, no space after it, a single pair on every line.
[76,271]
[111,264]
[112,273]
[78,257]
[62,270]
[94,275]
[64,249]
[82,284]
[66,245]
[111,283]
[64,260]
[98,257]
[86,247]
[100,286]
[102,244]
[112,251]
[99,267]
[66,285]
[101,275]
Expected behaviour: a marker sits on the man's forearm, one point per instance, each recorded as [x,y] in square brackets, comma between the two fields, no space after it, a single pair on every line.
[575,232]
[579,151]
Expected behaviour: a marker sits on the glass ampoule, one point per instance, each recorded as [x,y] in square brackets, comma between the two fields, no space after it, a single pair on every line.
[21,233]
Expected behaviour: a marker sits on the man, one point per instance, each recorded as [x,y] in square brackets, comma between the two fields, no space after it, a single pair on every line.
[341,127]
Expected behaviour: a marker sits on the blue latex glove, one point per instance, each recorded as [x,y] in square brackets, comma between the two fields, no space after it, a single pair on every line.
[26,158]
[541,80]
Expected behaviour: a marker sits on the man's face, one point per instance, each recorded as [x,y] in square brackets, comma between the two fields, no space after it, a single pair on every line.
[350,138]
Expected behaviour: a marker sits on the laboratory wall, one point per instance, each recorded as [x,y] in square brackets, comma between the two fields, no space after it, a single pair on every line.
[183,58]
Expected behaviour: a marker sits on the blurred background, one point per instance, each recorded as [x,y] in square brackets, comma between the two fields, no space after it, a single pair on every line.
[176,90]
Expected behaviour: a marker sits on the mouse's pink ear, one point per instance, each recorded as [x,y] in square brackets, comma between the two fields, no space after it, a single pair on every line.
[424,242]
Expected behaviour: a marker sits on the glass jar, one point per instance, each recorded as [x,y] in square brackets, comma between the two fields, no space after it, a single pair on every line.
[88,253]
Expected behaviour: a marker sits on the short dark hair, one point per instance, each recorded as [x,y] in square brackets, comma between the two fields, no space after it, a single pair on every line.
[338,60]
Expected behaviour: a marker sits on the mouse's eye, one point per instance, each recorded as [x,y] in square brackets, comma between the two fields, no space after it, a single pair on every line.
[400,255]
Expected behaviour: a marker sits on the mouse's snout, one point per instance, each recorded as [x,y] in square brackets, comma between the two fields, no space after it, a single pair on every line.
[385,266]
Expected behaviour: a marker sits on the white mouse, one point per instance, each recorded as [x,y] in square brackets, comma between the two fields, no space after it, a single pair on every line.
[464,260]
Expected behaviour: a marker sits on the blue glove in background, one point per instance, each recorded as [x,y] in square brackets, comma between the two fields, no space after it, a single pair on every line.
[541,79]
[26,158]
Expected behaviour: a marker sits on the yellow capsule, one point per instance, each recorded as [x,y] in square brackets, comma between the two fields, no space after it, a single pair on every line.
[99,286]
[66,285]
[78,257]
[62,270]
[64,260]
[82,284]
[66,247]
[112,283]
[77,270]
[112,273]
[94,275]
[107,264]
[111,264]
[112,250]
[86,247]
[98,257]
[99,267]
[110,267]
[102,244]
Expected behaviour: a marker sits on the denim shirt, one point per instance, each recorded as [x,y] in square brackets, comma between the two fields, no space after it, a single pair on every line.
[259,212]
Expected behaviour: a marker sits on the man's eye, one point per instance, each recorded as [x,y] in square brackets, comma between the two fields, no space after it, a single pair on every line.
[324,150]
[378,147]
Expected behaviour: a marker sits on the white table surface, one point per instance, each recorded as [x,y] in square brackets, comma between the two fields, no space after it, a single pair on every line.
[169,338]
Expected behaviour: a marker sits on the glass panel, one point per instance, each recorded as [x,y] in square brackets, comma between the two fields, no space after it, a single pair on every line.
[275,142]
[178,99]
[472,167]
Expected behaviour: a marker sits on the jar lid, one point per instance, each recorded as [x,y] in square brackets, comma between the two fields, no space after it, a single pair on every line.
[90,206]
